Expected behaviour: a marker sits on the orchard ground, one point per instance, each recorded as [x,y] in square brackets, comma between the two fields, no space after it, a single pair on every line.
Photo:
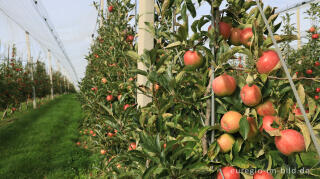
[42,142]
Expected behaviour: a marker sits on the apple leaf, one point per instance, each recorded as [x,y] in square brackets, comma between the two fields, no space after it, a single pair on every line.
[244,127]
[305,132]
[214,150]
[174,44]
[274,132]
[301,93]
[241,162]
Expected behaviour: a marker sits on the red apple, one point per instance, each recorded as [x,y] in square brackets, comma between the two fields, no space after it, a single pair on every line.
[235,36]
[266,109]
[225,29]
[192,58]
[132,146]
[125,107]
[251,95]
[119,97]
[130,38]
[317,64]
[246,36]
[110,8]
[110,134]
[267,121]
[13,109]
[315,36]
[253,127]
[268,62]
[318,90]
[309,71]
[164,145]
[225,142]
[103,152]
[91,132]
[109,98]
[224,85]
[230,121]
[228,173]
[316,97]
[312,29]
[290,141]
[78,143]
[262,175]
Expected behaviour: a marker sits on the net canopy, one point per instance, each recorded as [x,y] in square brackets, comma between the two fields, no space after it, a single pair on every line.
[57,26]
[66,27]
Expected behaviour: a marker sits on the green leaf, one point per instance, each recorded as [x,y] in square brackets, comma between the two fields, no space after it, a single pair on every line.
[191,8]
[133,55]
[305,132]
[241,162]
[244,127]
[213,150]
[174,44]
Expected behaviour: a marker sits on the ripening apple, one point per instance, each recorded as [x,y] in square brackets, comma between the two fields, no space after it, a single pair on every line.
[267,122]
[225,29]
[266,109]
[235,36]
[78,143]
[246,36]
[268,62]
[224,85]
[230,121]
[312,29]
[130,38]
[119,97]
[315,36]
[251,95]
[103,152]
[126,106]
[104,80]
[228,173]
[110,134]
[290,141]
[261,174]
[109,98]
[192,59]
[226,142]
[132,146]
[309,71]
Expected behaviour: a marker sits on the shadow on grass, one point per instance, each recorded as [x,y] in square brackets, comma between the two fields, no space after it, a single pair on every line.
[41,143]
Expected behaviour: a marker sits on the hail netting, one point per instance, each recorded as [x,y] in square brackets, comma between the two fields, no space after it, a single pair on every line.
[73,22]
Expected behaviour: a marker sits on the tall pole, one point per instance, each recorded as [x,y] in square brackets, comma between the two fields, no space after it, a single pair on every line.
[59,80]
[50,73]
[30,61]
[101,11]
[298,28]
[145,41]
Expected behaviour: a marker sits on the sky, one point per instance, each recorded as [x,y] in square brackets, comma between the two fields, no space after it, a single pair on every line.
[74,22]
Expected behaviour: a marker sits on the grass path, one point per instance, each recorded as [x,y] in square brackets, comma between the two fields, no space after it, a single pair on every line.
[41,143]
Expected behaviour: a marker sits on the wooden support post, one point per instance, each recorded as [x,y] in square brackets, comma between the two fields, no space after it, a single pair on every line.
[101,11]
[30,61]
[298,28]
[50,73]
[145,41]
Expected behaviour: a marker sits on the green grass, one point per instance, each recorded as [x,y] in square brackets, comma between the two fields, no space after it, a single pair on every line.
[41,143]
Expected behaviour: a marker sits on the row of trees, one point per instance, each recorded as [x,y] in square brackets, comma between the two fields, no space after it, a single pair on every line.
[255,125]
[16,83]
